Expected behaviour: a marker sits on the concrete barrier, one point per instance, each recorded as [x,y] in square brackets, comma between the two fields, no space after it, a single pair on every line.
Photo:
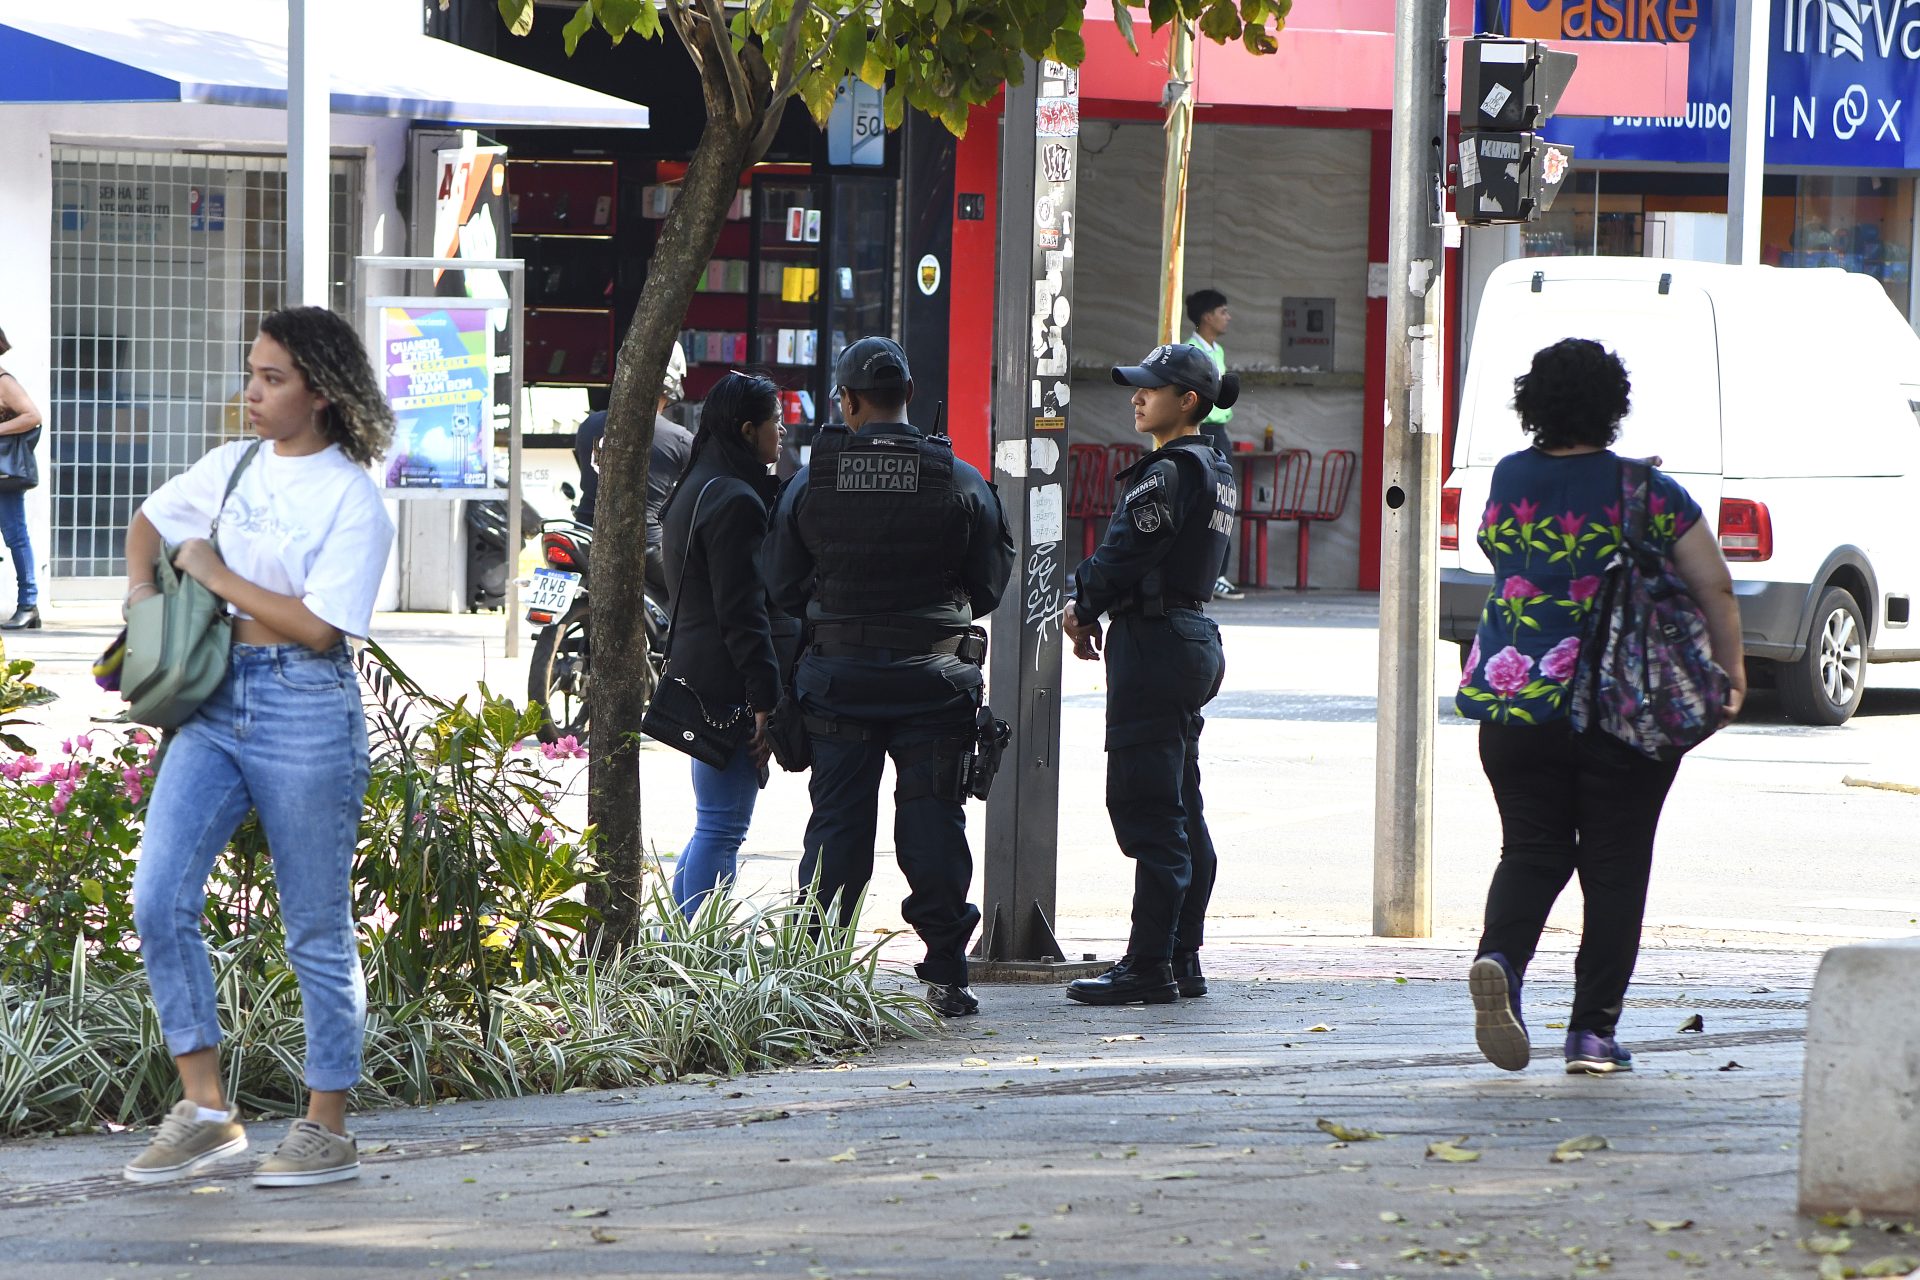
[1860,1122]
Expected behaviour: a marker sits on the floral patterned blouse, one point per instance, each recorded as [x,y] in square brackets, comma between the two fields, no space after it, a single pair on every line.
[1551,527]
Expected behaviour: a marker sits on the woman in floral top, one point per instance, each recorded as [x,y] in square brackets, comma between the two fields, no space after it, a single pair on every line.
[1570,803]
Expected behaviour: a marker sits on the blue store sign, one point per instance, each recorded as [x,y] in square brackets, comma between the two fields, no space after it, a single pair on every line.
[1843,78]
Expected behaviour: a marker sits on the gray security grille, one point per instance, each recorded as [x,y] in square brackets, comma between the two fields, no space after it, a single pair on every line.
[163,264]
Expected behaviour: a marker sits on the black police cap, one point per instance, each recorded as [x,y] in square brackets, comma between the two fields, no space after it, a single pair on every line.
[872,364]
[1181,364]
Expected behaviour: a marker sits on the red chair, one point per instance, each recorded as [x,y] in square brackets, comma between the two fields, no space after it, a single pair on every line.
[1279,499]
[1089,491]
[1336,478]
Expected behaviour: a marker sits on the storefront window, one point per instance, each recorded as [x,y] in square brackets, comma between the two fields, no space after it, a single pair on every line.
[163,263]
[1856,223]
[1862,224]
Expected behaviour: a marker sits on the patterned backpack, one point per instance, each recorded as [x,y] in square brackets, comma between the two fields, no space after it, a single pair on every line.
[1647,674]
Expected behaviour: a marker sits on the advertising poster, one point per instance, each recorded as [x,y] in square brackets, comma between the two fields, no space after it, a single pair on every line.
[435,366]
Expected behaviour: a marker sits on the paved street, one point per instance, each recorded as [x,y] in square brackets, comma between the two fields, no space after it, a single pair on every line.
[1043,1140]
[1762,841]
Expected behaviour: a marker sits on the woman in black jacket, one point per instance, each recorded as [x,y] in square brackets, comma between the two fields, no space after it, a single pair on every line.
[724,630]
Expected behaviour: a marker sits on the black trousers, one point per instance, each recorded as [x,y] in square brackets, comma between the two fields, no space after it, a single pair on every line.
[1160,673]
[1573,803]
[922,714]
[1216,434]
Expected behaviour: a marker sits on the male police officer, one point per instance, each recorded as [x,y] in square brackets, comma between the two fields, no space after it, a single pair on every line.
[1153,575]
[892,547]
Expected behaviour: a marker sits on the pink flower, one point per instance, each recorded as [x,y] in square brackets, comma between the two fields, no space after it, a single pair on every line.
[1508,671]
[420,819]
[1581,590]
[62,794]
[84,742]
[1492,516]
[1518,588]
[1524,511]
[1569,522]
[567,748]
[1612,512]
[133,791]
[1470,664]
[1656,505]
[140,737]
[16,768]
[58,772]
[546,836]
[1560,660]
[66,746]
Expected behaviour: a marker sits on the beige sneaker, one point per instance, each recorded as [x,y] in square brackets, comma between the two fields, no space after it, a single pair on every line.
[309,1154]
[184,1142]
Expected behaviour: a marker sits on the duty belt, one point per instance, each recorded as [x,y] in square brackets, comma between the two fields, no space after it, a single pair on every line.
[1156,608]
[863,639]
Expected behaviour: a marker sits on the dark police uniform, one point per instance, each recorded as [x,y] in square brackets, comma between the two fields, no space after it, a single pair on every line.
[891,546]
[1153,574]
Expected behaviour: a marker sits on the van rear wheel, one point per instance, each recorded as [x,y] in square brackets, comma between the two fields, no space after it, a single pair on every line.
[1824,685]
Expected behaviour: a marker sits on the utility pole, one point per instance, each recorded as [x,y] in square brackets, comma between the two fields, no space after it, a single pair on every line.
[1747,156]
[1178,101]
[1410,507]
[309,154]
[1039,163]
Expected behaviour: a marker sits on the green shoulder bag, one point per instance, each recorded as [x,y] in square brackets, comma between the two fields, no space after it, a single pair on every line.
[177,637]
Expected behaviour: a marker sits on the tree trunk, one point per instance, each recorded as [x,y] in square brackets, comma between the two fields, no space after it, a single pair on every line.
[618,692]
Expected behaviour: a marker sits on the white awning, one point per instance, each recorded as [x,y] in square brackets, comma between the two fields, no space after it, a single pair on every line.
[234,53]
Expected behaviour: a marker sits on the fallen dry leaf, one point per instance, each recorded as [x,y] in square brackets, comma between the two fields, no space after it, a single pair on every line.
[758,1117]
[1576,1148]
[1318,1026]
[588,1213]
[1451,1152]
[1695,1023]
[1118,1039]
[603,1236]
[1662,1227]
[1898,1264]
[208,1191]
[375,1148]
[845,1157]
[1345,1134]
[1021,1232]
[1851,1218]
[904,1084]
[974,1062]
[1827,1244]
[1731,1066]
[1178,1175]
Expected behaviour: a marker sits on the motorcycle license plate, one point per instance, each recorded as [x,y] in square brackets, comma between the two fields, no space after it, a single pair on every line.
[552,592]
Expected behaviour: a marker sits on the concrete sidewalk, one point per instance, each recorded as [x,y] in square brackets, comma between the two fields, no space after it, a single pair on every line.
[1045,1139]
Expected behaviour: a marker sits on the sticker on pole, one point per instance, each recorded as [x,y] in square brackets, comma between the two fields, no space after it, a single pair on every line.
[1496,99]
[1469,163]
[929,275]
[1554,167]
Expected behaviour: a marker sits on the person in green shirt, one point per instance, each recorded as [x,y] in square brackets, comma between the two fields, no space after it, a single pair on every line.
[1207,309]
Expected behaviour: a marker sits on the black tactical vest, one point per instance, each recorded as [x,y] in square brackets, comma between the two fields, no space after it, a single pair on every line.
[887,530]
[1206,528]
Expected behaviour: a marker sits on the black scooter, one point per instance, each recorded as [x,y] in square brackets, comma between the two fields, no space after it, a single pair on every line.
[561,669]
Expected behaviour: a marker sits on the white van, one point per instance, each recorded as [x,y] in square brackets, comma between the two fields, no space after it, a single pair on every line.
[1785,401]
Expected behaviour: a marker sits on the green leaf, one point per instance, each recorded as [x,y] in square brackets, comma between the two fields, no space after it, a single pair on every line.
[622,16]
[1519,714]
[578,25]
[896,107]
[1221,21]
[873,67]
[850,45]
[1123,18]
[93,892]
[1069,48]
[518,15]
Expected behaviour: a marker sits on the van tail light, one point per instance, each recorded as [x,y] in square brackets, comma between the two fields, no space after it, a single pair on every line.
[559,551]
[1746,530]
[1449,519]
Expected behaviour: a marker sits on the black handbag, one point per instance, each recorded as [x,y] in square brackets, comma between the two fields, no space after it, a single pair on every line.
[676,715]
[19,469]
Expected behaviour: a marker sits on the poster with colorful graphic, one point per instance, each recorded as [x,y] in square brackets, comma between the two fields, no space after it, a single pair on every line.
[434,362]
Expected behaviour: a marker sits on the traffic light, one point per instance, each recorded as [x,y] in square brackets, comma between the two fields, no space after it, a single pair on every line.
[1508,89]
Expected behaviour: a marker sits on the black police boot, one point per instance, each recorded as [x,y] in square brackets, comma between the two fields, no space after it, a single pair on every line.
[1129,982]
[26,618]
[951,1000]
[1186,972]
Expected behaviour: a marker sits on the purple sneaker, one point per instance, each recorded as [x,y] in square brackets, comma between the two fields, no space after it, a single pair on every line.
[1595,1055]
[1497,1027]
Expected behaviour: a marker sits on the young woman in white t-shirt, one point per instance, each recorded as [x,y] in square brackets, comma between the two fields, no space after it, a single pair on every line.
[303,542]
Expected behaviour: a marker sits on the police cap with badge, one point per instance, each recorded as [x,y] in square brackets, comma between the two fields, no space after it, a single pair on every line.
[1187,367]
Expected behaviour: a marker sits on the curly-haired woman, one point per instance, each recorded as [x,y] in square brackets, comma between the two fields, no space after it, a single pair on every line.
[303,542]
[1569,802]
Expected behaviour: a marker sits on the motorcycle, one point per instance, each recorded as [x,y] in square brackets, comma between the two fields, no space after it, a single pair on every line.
[560,672]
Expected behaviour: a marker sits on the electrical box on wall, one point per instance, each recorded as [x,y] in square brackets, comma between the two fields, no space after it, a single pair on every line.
[1306,334]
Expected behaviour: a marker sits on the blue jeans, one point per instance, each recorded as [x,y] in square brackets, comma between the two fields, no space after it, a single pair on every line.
[13,529]
[283,734]
[723,809]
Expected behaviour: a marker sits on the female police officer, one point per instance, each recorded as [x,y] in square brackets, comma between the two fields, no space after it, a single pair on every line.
[1152,576]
